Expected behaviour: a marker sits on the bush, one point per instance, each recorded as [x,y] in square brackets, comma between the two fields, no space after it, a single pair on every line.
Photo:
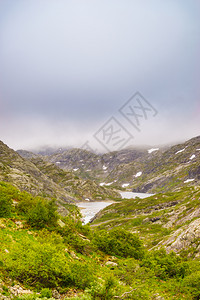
[104,290]
[119,242]
[193,282]
[44,263]
[39,212]
[165,265]
[75,234]
[47,293]
[5,206]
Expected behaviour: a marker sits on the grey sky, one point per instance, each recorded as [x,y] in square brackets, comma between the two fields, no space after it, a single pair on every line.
[66,67]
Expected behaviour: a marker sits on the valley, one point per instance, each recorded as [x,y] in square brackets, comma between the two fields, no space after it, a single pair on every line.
[138,235]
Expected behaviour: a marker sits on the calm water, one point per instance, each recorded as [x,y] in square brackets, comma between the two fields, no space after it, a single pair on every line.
[90,209]
[129,195]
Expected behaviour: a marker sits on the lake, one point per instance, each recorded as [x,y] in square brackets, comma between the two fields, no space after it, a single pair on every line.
[129,195]
[90,209]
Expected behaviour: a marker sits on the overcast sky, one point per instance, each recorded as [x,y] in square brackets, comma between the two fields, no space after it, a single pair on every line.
[68,66]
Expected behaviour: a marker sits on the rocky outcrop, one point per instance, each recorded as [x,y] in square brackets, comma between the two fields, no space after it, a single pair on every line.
[184,237]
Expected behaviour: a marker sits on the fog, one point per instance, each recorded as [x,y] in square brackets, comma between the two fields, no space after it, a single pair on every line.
[68,67]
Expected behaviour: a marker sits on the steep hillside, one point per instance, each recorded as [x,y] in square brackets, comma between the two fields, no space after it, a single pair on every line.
[46,256]
[26,176]
[141,170]
[27,154]
[170,219]
[78,188]
[90,165]
[160,170]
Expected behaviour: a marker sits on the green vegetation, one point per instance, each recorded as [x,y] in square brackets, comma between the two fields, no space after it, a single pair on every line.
[44,252]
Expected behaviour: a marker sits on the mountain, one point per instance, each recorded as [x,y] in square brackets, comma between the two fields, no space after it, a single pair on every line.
[26,154]
[40,177]
[160,170]
[141,169]
[135,248]
[170,219]
[23,174]
[78,188]
[44,255]
[91,165]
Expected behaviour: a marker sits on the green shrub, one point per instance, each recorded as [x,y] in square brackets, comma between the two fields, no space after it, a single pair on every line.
[119,242]
[47,293]
[75,234]
[5,206]
[104,290]
[39,212]
[44,263]
[38,264]
[165,265]
[193,283]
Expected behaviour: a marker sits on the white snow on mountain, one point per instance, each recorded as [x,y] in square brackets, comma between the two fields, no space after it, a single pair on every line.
[106,184]
[180,151]
[188,180]
[125,185]
[138,174]
[152,150]
[193,156]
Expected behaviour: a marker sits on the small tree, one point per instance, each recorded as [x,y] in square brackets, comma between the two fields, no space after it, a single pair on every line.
[5,206]
[43,214]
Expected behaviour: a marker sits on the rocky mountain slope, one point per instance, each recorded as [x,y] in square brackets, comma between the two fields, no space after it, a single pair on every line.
[40,177]
[161,170]
[78,188]
[170,219]
[91,165]
[44,255]
[26,176]
[142,170]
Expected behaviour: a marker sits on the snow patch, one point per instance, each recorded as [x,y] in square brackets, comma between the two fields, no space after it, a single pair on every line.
[125,185]
[180,151]
[198,149]
[188,180]
[104,167]
[87,199]
[193,156]
[75,169]
[58,162]
[106,184]
[138,174]
[152,150]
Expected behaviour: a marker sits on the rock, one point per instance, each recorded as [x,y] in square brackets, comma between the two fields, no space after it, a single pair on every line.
[2,225]
[19,224]
[184,238]
[55,294]
[61,223]
[17,290]
[111,263]
[157,297]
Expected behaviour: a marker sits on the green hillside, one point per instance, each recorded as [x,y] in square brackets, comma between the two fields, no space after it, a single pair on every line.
[44,255]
